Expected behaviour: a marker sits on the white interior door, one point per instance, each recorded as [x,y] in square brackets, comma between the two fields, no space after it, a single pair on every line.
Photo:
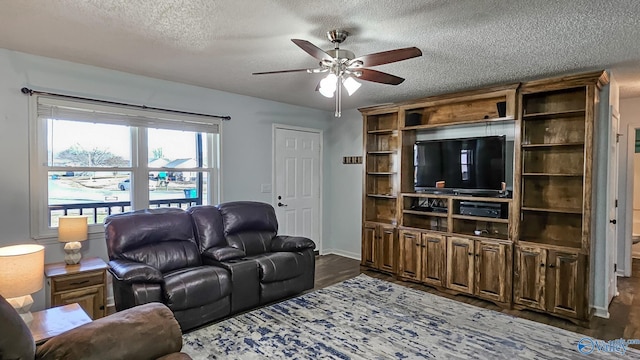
[612,202]
[297,182]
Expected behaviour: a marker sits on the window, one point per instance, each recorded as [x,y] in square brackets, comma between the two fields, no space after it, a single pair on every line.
[94,159]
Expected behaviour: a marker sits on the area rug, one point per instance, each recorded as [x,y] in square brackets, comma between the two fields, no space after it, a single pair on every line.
[367,318]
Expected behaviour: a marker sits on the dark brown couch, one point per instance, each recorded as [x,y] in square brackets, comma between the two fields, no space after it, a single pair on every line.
[207,262]
[144,332]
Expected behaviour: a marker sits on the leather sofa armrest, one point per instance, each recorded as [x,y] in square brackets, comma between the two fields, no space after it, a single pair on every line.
[223,253]
[291,243]
[148,331]
[131,271]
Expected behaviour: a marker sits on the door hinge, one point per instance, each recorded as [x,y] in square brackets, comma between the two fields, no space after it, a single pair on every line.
[615,267]
[616,203]
[618,137]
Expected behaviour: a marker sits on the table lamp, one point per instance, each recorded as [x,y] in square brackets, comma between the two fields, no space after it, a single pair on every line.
[21,274]
[72,230]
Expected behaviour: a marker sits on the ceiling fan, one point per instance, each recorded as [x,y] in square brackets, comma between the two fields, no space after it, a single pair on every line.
[343,67]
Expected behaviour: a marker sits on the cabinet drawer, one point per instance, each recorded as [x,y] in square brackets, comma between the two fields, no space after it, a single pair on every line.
[77,281]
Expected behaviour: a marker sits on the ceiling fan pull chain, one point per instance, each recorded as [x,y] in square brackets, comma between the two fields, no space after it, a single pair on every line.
[338,97]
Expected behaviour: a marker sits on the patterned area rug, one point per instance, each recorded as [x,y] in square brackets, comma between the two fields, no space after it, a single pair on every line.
[367,318]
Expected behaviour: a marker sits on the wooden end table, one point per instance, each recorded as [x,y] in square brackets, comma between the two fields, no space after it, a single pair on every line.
[51,322]
[84,283]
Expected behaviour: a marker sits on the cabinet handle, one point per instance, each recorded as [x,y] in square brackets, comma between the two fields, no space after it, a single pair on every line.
[552,266]
[470,254]
[541,264]
[79,282]
[102,307]
[477,255]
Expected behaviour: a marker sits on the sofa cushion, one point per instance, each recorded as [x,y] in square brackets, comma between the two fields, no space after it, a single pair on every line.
[16,341]
[208,227]
[166,256]
[242,216]
[193,287]
[162,238]
[279,266]
[147,331]
[252,242]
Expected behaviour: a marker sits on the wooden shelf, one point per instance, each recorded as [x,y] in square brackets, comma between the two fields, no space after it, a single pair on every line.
[382,131]
[480,218]
[551,145]
[431,126]
[482,236]
[550,210]
[552,114]
[568,246]
[382,196]
[382,152]
[549,174]
[381,173]
[438,230]
[424,195]
[425,213]
[380,221]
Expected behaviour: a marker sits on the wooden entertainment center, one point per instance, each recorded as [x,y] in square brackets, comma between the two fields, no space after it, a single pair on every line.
[533,251]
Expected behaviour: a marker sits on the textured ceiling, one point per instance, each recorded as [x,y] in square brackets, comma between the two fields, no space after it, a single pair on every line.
[218,44]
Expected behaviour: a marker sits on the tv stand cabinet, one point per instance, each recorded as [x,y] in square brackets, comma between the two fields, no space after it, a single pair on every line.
[536,254]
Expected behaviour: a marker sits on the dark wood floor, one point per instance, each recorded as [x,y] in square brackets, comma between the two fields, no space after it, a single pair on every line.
[624,320]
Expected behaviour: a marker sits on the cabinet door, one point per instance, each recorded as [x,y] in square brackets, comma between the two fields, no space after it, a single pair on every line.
[410,254]
[434,253]
[491,270]
[530,276]
[460,269]
[387,249]
[369,245]
[90,299]
[566,284]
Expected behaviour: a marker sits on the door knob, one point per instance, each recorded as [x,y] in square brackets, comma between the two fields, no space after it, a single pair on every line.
[281,204]
[613,221]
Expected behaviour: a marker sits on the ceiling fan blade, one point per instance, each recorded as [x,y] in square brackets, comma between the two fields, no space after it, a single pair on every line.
[312,50]
[386,57]
[379,77]
[280,71]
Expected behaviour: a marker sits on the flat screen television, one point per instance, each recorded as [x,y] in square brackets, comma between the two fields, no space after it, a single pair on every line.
[468,165]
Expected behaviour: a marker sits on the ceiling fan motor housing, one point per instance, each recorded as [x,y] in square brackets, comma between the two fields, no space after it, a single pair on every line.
[337,36]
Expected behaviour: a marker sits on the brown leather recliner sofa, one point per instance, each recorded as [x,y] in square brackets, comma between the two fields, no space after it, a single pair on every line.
[148,331]
[207,262]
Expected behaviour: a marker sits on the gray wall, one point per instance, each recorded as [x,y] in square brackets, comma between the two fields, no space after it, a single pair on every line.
[343,214]
[629,115]
[246,148]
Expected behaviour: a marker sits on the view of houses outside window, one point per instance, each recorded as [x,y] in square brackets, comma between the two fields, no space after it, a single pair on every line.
[90,169]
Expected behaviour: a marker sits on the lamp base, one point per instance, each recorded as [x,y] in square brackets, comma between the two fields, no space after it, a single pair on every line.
[22,305]
[72,252]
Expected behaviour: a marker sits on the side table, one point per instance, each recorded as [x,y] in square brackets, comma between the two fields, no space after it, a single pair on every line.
[84,283]
[51,322]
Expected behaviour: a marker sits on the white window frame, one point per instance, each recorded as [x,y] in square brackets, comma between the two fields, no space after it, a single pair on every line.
[139,121]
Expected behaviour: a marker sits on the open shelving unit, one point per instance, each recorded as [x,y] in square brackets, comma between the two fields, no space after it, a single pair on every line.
[554,133]
[380,197]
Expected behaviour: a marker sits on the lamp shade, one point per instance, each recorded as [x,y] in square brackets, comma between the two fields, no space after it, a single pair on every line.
[21,270]
[72,228]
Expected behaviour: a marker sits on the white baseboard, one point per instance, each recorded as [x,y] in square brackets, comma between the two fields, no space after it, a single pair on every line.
[601,312]
[347,254]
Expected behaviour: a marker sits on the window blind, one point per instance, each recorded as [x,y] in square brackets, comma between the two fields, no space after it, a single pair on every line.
[52,107]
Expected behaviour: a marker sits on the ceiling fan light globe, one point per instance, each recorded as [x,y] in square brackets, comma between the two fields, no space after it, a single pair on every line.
[326,92]
[329,82]
[351,85]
